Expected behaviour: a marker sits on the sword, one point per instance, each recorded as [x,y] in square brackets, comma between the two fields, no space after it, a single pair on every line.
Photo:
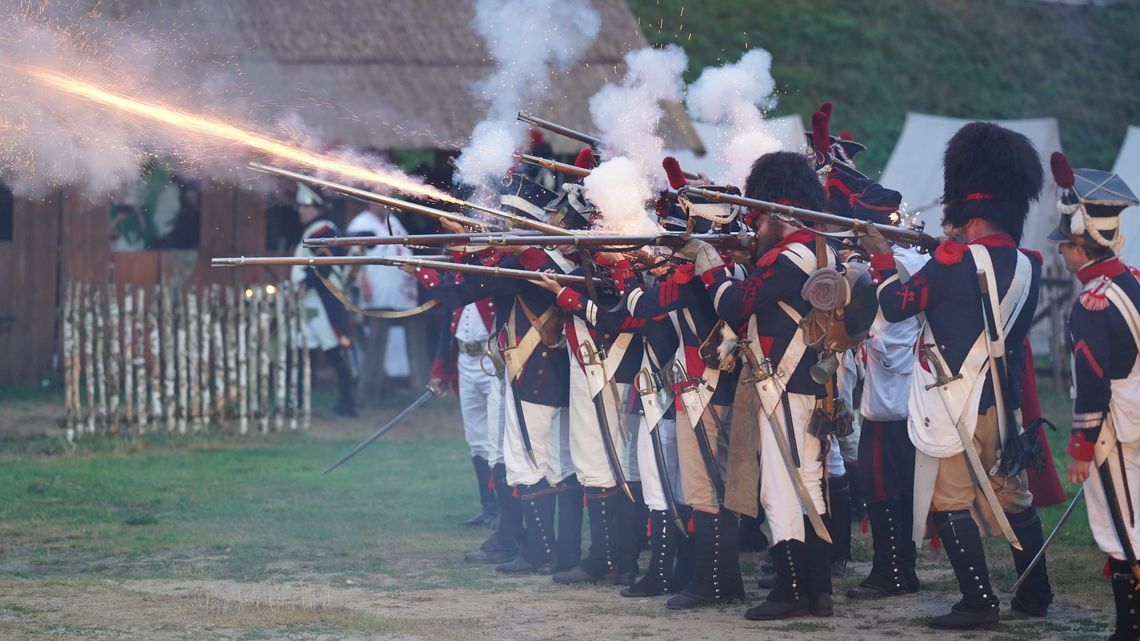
[694,410]
[647,389]
[1049,539]
[763,378]
[380,432]
[595,377]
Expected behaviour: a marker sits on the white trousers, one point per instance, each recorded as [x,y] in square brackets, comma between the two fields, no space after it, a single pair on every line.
[1099,520]
[586,446]
[549,433]
[481,421]
[782,507]
[651,485]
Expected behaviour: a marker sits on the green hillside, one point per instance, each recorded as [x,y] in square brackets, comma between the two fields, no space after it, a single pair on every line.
[878,59]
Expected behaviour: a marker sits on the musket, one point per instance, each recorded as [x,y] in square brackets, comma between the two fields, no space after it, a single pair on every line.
[397,261]
[739,240]
[397,203]
[573,134]
[899,235]
[554,165]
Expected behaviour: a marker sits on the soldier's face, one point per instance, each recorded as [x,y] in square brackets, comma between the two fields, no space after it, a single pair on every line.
[1074,256]
[769,231]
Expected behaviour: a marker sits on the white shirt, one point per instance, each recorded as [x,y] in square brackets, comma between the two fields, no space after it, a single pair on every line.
[470,328]
[384,286]
[890,356]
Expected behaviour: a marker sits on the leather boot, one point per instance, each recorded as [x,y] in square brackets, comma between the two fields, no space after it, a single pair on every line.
[886,576]
[600,564]
[1127,599]
[539,502]
[818,557]
[505,542]
[345,408]
[686,552]
[788,598]
[631,533]
[716,567]
[663,537]
[979,605]
[839,502]
[1035,594]
[490,508]
[568,548]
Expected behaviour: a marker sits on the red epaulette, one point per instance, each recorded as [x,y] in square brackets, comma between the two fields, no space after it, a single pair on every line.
[1094,298]
[532,258]
[950,252]
[1034,254]
[683,274]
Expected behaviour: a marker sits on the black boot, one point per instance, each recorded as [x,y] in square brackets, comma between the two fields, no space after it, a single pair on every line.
[716,567]
[1035,594]
[817,576]
[539,503]
[505,542]
[600,564]
[568,548]
[345,408]
[752,537]
[979,605]
[788,599]
[686,552]
[663,537]
[490,509]
[1127,599]
[856,502]
[886,576]
[631,532]
[839,501]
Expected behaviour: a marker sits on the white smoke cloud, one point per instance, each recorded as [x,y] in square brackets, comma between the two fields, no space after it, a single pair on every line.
[737,95]
[620,190]
[524,38]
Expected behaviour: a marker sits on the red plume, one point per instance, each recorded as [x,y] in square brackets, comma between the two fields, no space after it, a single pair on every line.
[585,158]
[673,171]
[1062,170]
[826,108]
[846,135]
[535,136]
[820,136]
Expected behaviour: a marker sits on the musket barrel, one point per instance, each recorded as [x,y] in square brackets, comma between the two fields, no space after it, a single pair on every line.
[667,239]
[896,234]
[311,261]
[416,240]
[554,165]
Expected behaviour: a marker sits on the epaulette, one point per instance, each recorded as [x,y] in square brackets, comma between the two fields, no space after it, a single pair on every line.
[1034,254]
[684,273]
[532,258]
[1135,272]
[950,252]
[1093,297]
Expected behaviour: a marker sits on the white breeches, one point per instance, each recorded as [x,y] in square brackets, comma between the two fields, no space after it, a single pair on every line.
[782,506]
[549,439]
[1099,520]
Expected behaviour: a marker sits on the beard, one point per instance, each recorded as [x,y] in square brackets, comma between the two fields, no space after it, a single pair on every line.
[767,237]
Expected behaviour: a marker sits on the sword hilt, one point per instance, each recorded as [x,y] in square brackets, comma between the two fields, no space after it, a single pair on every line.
[588,354]
[645,382]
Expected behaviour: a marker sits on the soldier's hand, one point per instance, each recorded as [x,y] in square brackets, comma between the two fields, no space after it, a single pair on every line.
[438,386]
[407,269]
[871,239]
[704,256]
[1078,471]
[547,282]
[451,226]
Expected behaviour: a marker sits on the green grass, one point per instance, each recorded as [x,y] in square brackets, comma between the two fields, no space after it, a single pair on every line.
[879,59]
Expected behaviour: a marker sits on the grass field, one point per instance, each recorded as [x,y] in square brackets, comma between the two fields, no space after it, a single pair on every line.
[240,538]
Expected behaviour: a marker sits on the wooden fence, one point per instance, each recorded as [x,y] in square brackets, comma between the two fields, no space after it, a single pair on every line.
[183,360]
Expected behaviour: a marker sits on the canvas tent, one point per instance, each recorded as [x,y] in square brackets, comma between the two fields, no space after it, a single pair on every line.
[1128,167]
[789,130]
[915,170]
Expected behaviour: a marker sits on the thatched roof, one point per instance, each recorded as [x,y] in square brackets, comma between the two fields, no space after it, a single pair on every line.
[395,73]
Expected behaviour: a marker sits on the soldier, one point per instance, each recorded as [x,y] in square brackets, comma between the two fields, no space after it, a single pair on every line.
[1104,328]
[328,327]
[769,304]
[956,404]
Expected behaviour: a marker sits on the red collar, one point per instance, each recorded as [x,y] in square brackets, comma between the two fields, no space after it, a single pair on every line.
[1110,268]
[998,239]
[799,236]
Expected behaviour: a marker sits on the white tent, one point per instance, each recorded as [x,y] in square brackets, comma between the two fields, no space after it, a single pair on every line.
[789,130]
[915,170]
[1128,167]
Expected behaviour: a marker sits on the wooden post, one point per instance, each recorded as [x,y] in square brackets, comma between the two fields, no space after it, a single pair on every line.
[231,306]
[282,334]
[306,372]
[89,355]
[142,406]
[194,353]
[181,359]
[292,324]
[253,357]
[168,324]
[219,357]
[242,363]
[100,359]
[263,353]
[114,357]
[158,352]
[128,354]
[70,408]
[203,381]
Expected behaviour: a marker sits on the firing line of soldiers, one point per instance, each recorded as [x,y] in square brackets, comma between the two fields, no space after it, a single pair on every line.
[683,386]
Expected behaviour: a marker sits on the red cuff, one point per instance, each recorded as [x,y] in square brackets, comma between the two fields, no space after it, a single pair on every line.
[709,277]
[440,369]
[623,272]
[427,276]
[882,262]
[570,300]
[1080,447]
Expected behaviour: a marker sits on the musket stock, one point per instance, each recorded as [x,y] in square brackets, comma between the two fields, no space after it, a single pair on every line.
[899,235]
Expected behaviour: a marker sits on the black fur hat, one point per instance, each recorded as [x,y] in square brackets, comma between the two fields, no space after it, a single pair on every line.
[787,178]
[992,173]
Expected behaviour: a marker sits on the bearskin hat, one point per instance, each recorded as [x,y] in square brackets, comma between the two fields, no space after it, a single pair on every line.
[992,173]
[787,178]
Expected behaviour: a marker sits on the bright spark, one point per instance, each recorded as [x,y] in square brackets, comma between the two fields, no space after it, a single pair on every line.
[208,127]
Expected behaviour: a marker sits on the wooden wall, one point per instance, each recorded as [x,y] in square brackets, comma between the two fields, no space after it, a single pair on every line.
[66,237]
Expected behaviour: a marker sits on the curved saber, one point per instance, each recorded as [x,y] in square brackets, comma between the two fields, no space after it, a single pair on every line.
[1049,539]
[380,432]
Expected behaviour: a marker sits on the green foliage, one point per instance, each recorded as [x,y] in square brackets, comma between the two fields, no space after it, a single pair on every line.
[878,59]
